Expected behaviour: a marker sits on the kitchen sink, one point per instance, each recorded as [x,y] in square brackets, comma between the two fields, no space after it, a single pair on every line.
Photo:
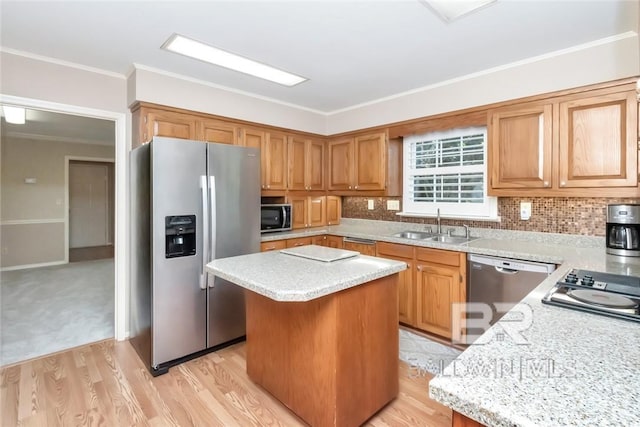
[414,235]
[454,240]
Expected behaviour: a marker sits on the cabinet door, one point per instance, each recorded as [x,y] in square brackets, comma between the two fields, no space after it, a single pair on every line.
[167,123]
[301,241]
[257,139]
[317,211]
[436,287]
[276,157]
[370,161]
[275,245]
[363,248]
[297,163]
[217,131]
[334,210]
[340,164]
[299,213]
[319,240]
[315,164]
[520,146]
[598,141]
[334,242]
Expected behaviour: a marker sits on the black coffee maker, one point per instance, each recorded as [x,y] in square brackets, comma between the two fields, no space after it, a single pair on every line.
[623,229]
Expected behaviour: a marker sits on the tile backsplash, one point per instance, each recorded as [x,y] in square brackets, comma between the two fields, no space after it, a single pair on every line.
[567,215]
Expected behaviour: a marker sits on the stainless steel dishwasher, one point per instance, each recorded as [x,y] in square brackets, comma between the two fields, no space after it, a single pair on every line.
[502,280]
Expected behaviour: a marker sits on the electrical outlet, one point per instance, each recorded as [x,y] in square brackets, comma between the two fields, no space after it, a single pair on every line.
[5,250]
[393,205]
[525,211]
[370,204]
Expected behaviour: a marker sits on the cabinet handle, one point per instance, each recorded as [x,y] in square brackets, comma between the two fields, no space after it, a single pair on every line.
[419,268]
[356,187]
[268,186]
[546,183]
[562,183]
[349,187]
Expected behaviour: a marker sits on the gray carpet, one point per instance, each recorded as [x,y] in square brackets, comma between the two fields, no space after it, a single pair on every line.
[425,354]
[49,309]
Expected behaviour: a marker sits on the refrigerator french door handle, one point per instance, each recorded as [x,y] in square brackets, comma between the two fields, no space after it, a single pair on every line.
[205,232]
[212,233]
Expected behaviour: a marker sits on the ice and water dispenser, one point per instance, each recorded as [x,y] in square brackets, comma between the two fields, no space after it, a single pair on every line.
[180,236]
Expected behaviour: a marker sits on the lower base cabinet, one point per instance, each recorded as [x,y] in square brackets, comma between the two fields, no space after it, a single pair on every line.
[440,283]
[406,282]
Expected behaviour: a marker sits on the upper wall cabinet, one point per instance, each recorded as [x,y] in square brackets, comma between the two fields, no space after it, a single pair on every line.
[306,164]
[274,161]
[365,162]
[574,146]
[217,131]
[163,123]
[521,146]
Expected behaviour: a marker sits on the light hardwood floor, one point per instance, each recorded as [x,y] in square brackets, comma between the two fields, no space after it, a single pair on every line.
[106,384]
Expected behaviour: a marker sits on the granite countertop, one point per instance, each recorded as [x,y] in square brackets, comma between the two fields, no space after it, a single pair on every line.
[564,367]
[284,277]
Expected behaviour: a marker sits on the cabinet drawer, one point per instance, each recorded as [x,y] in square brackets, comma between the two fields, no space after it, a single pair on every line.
[438,256]
[301,241]
[273,246]
[396,250]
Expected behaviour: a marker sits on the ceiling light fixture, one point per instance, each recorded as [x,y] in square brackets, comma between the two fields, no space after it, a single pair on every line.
[450,10]
[15,115]
[195,49]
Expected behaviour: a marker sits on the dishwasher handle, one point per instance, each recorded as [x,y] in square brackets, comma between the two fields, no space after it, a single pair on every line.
[505,270]
[359,240]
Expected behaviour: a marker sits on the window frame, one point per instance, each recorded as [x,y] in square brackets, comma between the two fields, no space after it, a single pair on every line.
[488,210]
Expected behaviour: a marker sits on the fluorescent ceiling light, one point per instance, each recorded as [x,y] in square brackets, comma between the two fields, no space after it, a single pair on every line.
[15,115]
[453,9]
[194,49]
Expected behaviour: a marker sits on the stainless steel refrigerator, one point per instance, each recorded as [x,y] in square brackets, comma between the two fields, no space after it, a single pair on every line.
[191,202]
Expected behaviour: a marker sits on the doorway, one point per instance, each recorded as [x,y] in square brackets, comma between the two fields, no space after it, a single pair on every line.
[91,201]
[85,302]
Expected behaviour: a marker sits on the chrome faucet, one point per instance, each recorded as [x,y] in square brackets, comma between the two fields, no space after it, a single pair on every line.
[438,221]
[466,231]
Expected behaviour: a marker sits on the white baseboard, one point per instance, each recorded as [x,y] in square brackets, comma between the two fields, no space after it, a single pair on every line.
[25,266]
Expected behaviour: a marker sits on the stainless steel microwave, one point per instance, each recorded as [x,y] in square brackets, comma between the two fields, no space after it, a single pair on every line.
[275,218]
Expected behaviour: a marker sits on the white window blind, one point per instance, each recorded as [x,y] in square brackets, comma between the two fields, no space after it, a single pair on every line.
[447,170]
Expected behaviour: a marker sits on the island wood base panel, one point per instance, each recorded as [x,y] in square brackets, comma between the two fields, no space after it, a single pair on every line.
[333,360]
[459,420]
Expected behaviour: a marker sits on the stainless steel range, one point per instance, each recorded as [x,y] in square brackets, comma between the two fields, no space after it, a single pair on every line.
[602,293]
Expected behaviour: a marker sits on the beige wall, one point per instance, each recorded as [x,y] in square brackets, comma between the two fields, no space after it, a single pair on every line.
[599,62]
[159,88]
[40,203]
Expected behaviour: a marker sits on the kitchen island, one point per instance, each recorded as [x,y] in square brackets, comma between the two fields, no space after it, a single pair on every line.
[322,336]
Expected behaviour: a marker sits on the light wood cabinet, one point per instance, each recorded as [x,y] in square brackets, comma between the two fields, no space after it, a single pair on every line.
[362,247]
[521,146]
[334,210]
[574,146]
[165,123]
[275,161]
[319,240]
[366,162]
[301,241]
[599,141]
[210,130]
[306,164]
[308,211]
[440,283]
[334,242]
[406,283]
[274,245]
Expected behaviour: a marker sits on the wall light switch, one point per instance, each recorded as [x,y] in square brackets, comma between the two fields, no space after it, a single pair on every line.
[30,180]
[393,205]
[525,210]
[370,205]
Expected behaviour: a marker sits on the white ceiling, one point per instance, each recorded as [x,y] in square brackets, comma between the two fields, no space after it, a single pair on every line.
[353,52]
[59,127]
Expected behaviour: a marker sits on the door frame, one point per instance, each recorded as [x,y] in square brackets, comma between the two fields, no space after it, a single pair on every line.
[121,219]
[67,161]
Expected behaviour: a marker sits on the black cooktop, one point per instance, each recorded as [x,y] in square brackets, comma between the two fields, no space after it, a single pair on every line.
[607,294]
